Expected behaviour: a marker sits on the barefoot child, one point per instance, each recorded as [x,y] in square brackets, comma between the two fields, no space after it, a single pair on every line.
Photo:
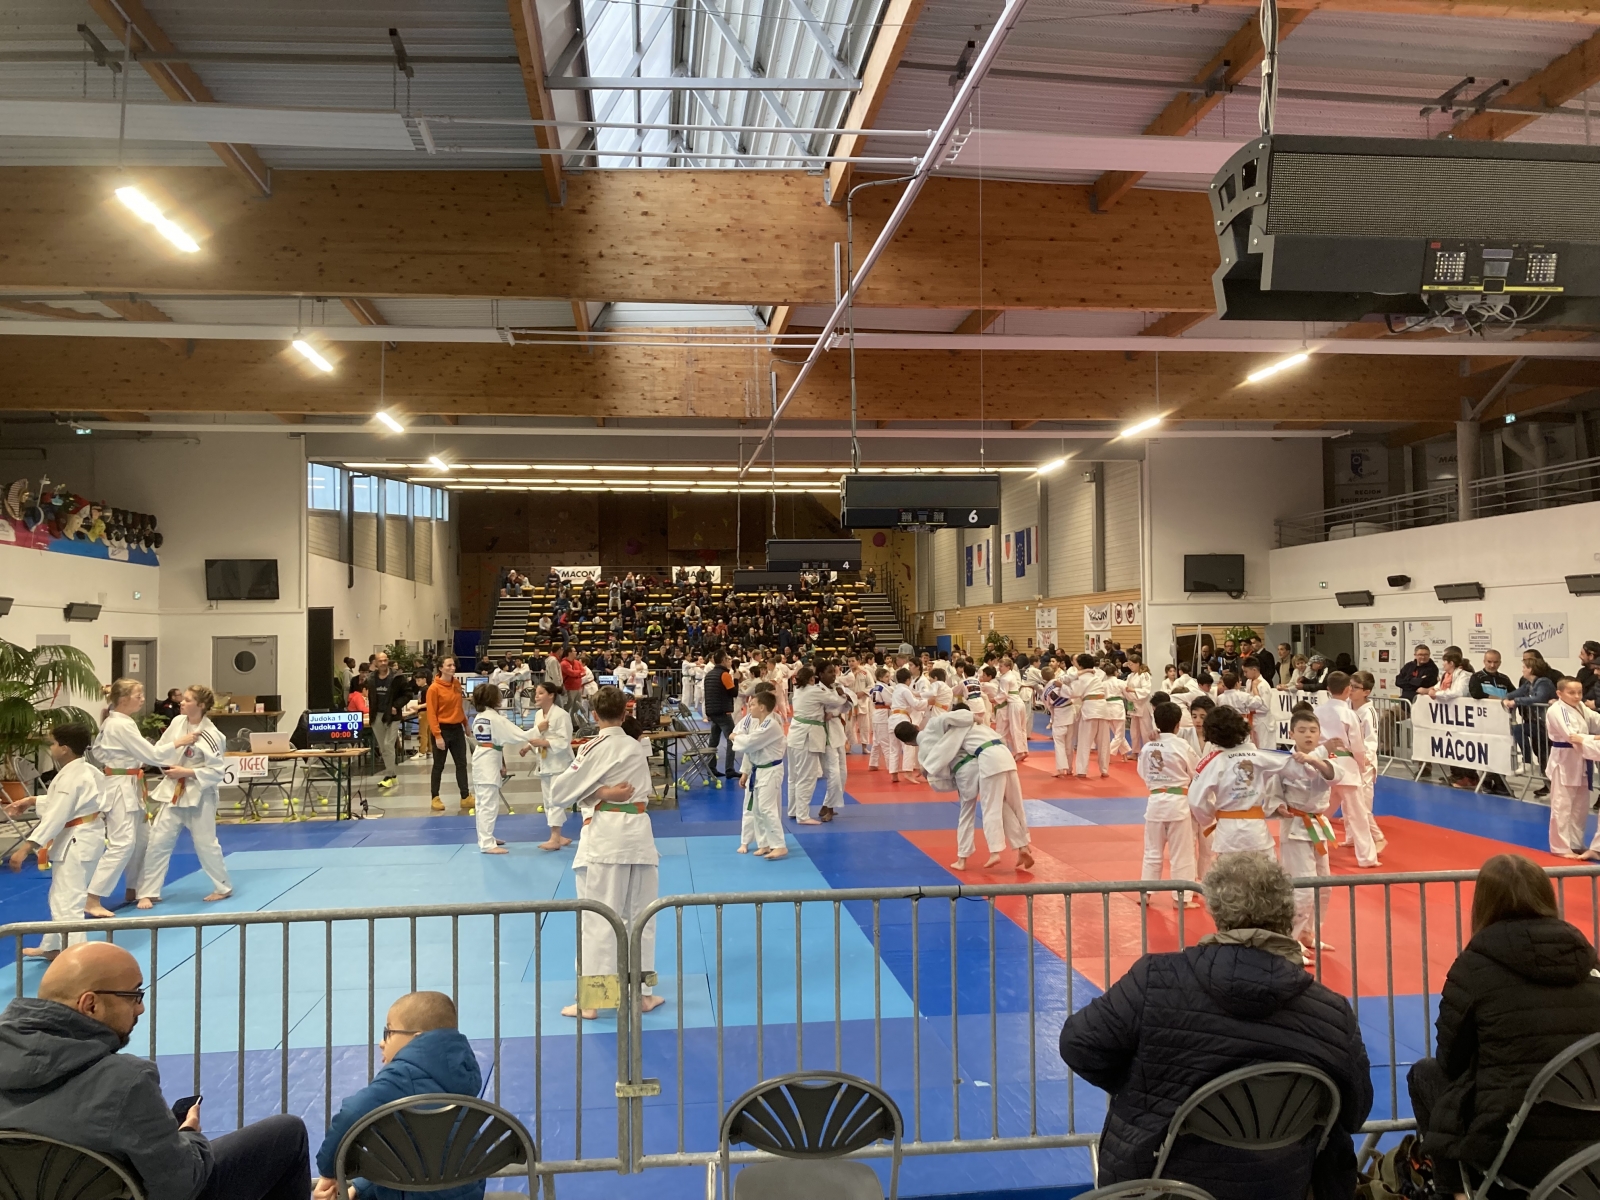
[1305,791]
[552,740]
[976,764]
[1232,791]
[617,863]
[759,739]
[492,732]
[70,815]
[1570,726]
[1166,764]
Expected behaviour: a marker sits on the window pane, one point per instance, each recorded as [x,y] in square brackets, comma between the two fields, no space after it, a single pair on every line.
[444,505]
[422,500]
[394,498]
[366,494]
[322,483]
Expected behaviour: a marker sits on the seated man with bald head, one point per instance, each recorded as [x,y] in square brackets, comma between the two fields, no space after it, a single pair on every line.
[423,1053]
[61,1077]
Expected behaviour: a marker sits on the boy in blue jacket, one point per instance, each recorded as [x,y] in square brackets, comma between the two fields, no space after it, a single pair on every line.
[423,1053]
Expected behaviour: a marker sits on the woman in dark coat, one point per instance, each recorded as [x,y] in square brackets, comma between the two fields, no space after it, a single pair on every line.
[1175,1022]
[1523,990]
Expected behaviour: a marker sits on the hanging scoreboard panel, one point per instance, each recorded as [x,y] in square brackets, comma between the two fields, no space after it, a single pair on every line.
[766,581]
[814,554]
[919,501]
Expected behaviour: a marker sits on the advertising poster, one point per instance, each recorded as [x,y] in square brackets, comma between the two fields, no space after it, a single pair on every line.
[1379,651]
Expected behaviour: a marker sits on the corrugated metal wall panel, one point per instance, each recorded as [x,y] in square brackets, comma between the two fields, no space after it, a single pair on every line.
[322,535]
[1122,525]
[942,550]
[1019,510]
[366,539]
[1071,503]
[422,542]
[394,546]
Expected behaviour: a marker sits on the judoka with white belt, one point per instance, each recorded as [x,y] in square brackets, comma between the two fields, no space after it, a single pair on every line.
[904,705]
[492,734]
[70,815]
[815,700]
[878,700]
[617,863]
[1341,735]
[123,753]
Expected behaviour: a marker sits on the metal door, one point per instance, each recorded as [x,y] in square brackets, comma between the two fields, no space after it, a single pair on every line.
[244,666]
[136,660]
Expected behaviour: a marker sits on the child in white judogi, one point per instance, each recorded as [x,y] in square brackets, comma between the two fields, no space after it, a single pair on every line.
[686,686]
[1232,795]
[1138,687]
[492,732]
[187,797]
[904,705]
[551,739]
[1116,710]
[878,699]
[697,682]
[1570,726]
[1094,729]
[70,815]
[1304,794]
[1263,720]
[1062,714]
[1166,764]
[1250,706]
[972,687]
[760,740]
[815,701]
[1361,684]
[123,754]
[857,681]
[617,863]
[970,760]
[1016,715]
[1341,734]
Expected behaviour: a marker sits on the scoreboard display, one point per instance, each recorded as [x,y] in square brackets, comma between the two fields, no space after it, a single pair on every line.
[919,502]
[814,554]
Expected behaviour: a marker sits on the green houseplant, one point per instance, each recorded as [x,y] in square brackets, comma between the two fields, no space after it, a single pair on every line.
[31,683]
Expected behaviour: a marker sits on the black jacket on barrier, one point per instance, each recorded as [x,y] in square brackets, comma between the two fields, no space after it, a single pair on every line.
[1519,994]
[1177,1021]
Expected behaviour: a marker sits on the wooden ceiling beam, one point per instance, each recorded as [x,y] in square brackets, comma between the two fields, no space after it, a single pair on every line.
[1561,11]
[1574,73]
[1229,66]
[980,320]
[888,47]
[668,382]
[178,81]
[131,308]
[535,66]
[725,237]
[363,310]
[1173,324]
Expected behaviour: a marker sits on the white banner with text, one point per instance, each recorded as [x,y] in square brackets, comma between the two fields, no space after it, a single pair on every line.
[1461,733]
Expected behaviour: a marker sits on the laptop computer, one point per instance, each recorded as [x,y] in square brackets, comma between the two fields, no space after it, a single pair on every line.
[270,743]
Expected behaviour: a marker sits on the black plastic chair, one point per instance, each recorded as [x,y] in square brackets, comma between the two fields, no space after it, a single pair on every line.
[34,1167]
[1570,1079]
[816,1117]
[1263,1107]
[1147,1189]
[434,1142]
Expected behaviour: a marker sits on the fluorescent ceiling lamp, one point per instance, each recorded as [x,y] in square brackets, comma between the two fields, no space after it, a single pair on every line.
[142,207]
[1140,427]
[437,463]
[311,356]
[1055,464]
[393,425]
[1294,360]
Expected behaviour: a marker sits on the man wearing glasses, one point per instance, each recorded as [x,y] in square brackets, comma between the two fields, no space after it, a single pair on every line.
[61,1077]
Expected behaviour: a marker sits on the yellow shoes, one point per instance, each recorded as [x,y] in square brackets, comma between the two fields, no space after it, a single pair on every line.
[468,806]
[438,804]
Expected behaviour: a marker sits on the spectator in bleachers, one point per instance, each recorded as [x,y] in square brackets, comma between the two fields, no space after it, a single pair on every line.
[424,1053]
[1241,997]
[1420,672]
[61,1076]
[1524,989]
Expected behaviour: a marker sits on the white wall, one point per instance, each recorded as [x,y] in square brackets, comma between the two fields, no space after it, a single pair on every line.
[1521,559]
[383,608]
[1218,496]
[42,583]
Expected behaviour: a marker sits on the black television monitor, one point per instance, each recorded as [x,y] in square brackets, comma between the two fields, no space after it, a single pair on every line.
[1213,573]
[241,579]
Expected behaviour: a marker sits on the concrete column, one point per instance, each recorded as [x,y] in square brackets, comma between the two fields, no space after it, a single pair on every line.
[1466,467]
[1041,583]
[1097,535]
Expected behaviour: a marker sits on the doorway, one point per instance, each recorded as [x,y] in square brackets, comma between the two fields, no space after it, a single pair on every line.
[136,659]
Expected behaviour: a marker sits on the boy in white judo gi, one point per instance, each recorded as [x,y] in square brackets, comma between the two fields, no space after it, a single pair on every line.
[904,705]
[71,815]
[551,739]
[1062,714]
[1166,764]
[1138,687]
[1304,793]
[1263,719]
[878,702]
[1094,717]
[1017,716]
[817,706]
[1361,685]
[970,760]
[617,863]
[1232,795]
[492,732]
[1341,735]
[759,739]
[1571,727]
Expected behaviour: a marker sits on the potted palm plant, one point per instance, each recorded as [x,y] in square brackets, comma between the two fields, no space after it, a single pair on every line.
[32,685]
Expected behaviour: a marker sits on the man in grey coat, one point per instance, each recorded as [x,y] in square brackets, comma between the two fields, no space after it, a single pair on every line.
[61,1077]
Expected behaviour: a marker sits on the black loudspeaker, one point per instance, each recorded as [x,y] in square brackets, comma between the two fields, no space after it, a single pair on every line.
[81,612]
[1354,599]
[1578,585]
[5,605]
[1398,581]
[1459,591]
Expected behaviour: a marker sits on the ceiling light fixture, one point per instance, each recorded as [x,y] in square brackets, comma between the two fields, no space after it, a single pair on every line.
[1055,464]
[1294,360]
[394,426]
[142,207]
[1140,426]
[437,463]
[311,356]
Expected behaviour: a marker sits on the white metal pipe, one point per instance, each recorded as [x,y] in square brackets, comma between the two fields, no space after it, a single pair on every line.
[1431,347]
[931,159]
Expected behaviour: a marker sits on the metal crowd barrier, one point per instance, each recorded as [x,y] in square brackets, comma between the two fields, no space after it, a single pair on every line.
[951,998]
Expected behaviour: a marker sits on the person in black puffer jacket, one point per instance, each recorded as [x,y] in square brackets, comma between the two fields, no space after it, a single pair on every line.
[1523,990]
[1175,1022]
